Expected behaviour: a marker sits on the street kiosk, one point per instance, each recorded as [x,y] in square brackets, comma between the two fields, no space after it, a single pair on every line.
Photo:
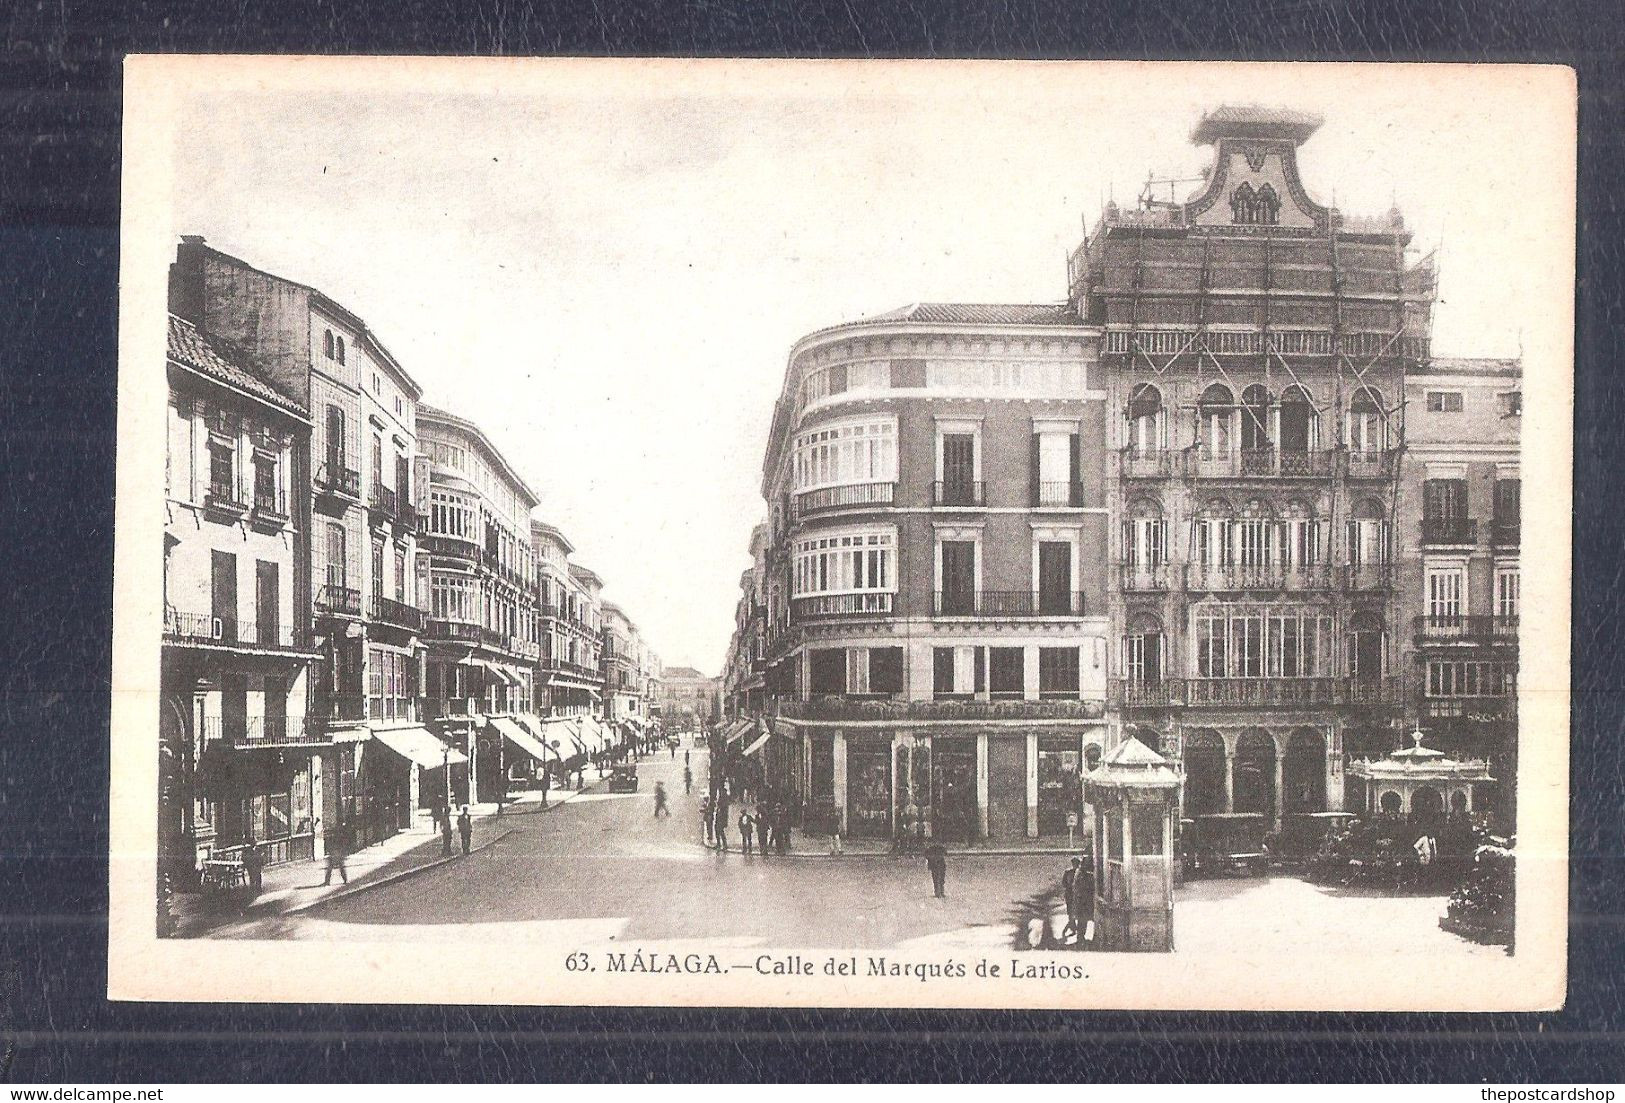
[1132,795]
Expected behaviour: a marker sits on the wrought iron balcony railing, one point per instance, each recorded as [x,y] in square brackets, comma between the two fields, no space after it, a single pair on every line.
[259,731]
[1463,628]
[1069,706]
[850,496]
[1150,463]
[1504,532]
[1140,577]
[384,503]
[1054,495]
[333,478]
[959,493]
[224,497]
[1371,464]
[842,605]
[396,613]
[1264,463]
[1449,530]
[334,599]
[1008,603]
[228,631]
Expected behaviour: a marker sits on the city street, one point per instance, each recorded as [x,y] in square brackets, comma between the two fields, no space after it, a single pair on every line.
[602,868]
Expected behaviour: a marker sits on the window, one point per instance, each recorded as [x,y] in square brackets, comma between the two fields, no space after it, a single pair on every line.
[1145,536]
[1510,403]
[1006,672]
[335,440]
[826,671]
[845,562]
[377,568]
[378,461]
[1255,642]
[327,343]
[451,514]
[1142,655]
[403,481]
[1450,678]
[1506,594]
[222,470]
[1146,424]
[1444,499]
[1444,402]
[454,597]
[223,593]
[1508,501]
[957,576]
[1058,672]
[1444,592]
[958,671]
[1365,427]
[854,452]
[957,463]
[338,348]
[337,572]
[1216,417]
[1055,578]
[1370,537]
[265,488]
[1055,468]
[885,670]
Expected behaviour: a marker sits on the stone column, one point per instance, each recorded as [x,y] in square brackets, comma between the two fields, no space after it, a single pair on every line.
[838,782]
[1335,793]
[1280,780]
[981,785]
[1029,674]
[1032,785]
[1229,775]
[318,822]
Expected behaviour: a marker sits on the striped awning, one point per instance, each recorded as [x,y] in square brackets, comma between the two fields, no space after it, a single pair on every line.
[419,747]
[519,737]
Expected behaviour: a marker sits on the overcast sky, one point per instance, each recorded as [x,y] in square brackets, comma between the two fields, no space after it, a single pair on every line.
[606,268]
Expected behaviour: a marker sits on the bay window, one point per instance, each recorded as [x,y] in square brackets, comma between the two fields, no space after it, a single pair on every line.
[847,452]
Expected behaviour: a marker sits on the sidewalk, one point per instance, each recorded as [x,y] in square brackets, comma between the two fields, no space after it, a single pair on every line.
[818,846]
[295,886]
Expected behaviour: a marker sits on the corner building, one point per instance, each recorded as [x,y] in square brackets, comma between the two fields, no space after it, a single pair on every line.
[1255,345]
[931,579]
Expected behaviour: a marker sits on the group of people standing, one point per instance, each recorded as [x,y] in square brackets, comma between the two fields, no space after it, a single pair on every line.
[764,826]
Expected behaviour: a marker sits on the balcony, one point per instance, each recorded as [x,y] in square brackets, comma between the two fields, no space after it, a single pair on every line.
[1066,495]
[1369,576]
[259,731]
[396,613]
[1449,531]
[888,709]
[1155,463]
[842,605]
[450,547]
[1008,603]
[1504,532]
[206,629]
[336,481]
[334,600]
[1267,576]
[270,510]
[454,631]
[1477,629]
[1142,577]
[959,494]
[1264,463]
[342,708]
[1375,464]
[384,505]
[224,500]
[392,708]
[1239,692]
[852,496]
[1477,709]
[1136,693]
[441,708]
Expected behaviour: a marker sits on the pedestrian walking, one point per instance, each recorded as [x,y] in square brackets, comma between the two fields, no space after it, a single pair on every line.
[660,801]
[936,860]
[745,826]
[674,752]
[337,851]
[1069,890]
[253,864]
[688,781]
[764,822]
[781,833]
[705,820]
[722,827]
[465,828]
[685,756]
[445,835]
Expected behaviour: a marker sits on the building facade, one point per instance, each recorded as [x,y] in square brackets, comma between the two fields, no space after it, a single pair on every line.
[689,699]
[240,761]
[929,591]
[621,666]
[1458,535]
[481,638]
[1255,346]
[568,678]
[362,569]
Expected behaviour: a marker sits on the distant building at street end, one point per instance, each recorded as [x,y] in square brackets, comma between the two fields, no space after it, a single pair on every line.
[689,699]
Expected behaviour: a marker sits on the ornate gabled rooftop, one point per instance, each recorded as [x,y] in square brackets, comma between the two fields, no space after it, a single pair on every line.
[1251,120]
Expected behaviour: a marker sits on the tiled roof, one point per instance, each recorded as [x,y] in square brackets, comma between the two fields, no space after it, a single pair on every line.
[214,358]
[988,314]
[1471,365]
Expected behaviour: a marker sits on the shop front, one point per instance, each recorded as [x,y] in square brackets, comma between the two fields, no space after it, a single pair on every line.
[953,781]
[1060,783]
[869,786]
[260,795]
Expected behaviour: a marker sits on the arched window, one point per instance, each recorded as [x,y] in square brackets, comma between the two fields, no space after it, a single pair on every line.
[1243,205]
[1299,430]
[1145,534]
[1255,419]
[1266,206]
[338,347]
[1213,545]
[1365,427]
[327,343]
[1216,415]
[1301,537]
[1145,417]
[1255,535]
[1369,534]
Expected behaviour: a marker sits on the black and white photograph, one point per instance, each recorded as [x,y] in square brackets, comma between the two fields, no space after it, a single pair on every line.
[843,534]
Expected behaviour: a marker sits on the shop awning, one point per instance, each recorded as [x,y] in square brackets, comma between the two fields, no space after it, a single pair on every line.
[740,729]
[417,746]
[521,738]
[589,734]
[760,741]
[561,730]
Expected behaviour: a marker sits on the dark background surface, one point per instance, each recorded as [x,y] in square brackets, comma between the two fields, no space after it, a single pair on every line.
[59,194]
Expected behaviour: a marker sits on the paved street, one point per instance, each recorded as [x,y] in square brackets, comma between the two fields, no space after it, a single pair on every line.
[603,867]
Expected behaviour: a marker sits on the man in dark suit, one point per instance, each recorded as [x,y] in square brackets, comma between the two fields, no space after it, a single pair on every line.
[936,860]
